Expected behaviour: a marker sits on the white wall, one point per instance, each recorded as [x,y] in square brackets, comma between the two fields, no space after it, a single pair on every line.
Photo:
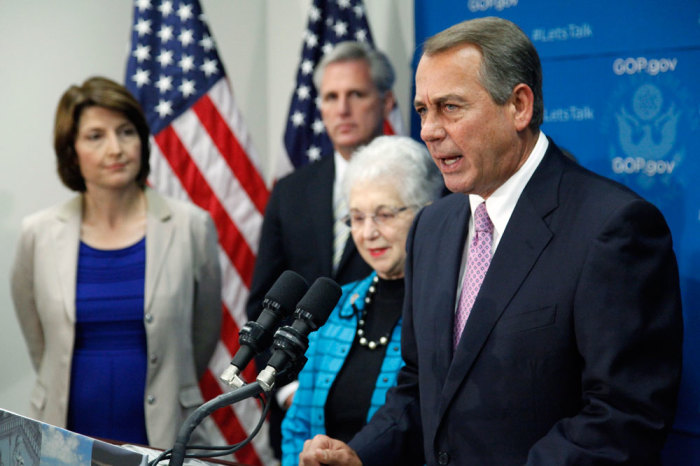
[45,46]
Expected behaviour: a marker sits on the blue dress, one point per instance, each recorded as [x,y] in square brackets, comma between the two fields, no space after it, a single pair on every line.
[108,373]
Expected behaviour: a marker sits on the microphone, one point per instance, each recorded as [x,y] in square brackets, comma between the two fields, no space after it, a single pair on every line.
[256,336]
[291,342]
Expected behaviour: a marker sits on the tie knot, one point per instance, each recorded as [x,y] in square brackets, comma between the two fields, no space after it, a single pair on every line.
[482,222]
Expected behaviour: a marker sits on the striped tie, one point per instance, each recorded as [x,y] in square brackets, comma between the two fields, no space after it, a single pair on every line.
[340,231]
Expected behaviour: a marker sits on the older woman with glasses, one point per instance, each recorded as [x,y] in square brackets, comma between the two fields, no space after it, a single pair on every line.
[355,357]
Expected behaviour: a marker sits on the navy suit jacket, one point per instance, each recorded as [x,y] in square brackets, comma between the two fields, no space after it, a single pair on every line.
[297,234]
[572,351]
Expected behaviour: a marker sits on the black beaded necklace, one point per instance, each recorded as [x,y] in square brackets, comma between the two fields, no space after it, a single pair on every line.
[362,338]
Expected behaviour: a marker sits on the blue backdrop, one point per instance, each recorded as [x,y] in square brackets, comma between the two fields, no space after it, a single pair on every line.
[622,94]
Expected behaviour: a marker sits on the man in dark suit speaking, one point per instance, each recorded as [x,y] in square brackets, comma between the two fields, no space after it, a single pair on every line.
[542,318]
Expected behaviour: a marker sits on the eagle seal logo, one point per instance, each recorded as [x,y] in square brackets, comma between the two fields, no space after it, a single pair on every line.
[650,131]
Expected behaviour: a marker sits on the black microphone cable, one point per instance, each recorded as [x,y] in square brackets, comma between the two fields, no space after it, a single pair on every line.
[216,451]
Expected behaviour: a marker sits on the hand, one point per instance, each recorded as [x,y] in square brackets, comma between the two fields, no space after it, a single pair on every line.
[322,450]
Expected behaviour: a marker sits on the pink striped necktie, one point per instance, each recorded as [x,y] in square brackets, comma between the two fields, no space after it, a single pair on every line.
[478,262]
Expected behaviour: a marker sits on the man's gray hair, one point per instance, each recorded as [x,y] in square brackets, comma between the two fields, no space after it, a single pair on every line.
[509,58]
[401,161]
[380,69]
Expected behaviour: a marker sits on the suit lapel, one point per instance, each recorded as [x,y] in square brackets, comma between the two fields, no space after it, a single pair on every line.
[66,235]
[159,237]
[348,251]
[446,276]
[526,235]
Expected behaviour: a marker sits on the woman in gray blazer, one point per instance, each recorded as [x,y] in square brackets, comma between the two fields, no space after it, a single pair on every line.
[117,291]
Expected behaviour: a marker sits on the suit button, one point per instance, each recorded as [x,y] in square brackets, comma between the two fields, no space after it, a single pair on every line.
[151,399]
[148,317]
[154,358]
[443,458]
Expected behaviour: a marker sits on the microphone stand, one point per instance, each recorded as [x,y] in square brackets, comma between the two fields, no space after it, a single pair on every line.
[226,399]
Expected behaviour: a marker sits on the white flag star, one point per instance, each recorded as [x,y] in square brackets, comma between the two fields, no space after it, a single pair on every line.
[165,58]
[344,4]
[164,108]
[314,153]
[314,14]
[311,39]
[340,28]
[359,11]
[186,63]
[186,37]
[361,35]
[166,8]
[187,88]
[143,5]
[209,67]
[298,118]
[307,67]
[165,33]
[327,47]
[318,127]
[142,52]
[207,43]
[164,84]
[303,92]
[141,77]
[143,26]
[184,12]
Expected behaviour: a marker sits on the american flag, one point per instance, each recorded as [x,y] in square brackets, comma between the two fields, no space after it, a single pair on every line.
[330,22]
[201,151]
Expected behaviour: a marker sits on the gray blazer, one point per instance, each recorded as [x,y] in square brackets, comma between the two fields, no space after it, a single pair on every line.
[182,309]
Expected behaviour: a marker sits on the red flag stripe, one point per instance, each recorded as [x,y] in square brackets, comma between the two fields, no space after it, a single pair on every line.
[221,95]
[231,151]
[229,327]
[228,423]
[218,175]
[388,129]
[230,239]
[233,291]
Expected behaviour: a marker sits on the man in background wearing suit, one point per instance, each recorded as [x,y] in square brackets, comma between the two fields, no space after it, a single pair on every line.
[571,350]
[302,229]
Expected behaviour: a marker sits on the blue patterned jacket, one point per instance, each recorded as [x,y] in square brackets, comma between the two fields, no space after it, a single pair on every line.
[328,348]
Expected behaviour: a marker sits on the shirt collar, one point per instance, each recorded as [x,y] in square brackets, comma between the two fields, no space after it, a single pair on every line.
[340,167]
[501,203]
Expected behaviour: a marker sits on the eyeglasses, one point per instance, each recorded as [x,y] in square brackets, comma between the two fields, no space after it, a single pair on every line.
[382,216]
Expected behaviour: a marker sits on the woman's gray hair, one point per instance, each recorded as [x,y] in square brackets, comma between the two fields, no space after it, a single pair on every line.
[380,68]
[398,160]
[509,58]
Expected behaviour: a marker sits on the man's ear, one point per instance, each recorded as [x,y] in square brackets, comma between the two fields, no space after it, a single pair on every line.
[522,101]
[389,102]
